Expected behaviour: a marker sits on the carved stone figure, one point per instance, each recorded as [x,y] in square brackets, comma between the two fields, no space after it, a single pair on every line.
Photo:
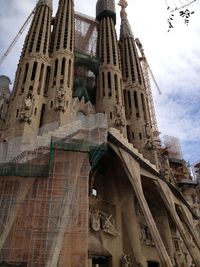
[150,145]
[95,220]
[102,221]
[146,236]
[123,4]
[125,260]
[107,225]
[26,111]
[119,121]
[147,130]
[59,101]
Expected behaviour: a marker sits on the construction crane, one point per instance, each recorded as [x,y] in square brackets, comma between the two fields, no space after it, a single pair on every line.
[148,72]
[17,36]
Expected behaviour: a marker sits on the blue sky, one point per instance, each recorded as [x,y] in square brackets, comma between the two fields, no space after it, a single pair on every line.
[174,58]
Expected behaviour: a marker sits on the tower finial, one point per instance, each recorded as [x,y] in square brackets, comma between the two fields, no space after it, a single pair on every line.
[123,4]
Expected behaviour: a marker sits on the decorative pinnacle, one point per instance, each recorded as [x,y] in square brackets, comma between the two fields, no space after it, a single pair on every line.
[123,4]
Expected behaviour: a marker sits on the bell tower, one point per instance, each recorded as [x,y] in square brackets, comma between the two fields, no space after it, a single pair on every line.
[139,129]
[110,88]
[62,53]
[28,96]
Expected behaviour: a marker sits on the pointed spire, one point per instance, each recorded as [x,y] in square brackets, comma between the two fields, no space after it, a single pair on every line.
[125,26]
[45,2]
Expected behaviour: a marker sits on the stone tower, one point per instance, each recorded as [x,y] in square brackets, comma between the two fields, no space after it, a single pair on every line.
[139,130]
[110,90]
[4,96]
[62,53]
[79,194]
[28,96]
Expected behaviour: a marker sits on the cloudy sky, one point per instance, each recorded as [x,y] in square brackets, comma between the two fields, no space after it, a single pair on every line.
[174,58]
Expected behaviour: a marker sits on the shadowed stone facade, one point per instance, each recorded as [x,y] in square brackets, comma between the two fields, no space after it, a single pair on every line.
[80,184]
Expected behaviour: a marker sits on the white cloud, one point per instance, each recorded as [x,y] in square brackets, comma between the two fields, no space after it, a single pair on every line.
[174,58]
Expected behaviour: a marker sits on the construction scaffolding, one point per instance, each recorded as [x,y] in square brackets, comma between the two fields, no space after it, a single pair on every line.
[44,222]
[147,72]
[85,34]
[86,64]
[196,170]
[173,147]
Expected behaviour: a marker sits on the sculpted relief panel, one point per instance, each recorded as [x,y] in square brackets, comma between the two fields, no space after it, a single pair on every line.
[101,221]
[59,101]
[125,260]
[26,111]
[145,235]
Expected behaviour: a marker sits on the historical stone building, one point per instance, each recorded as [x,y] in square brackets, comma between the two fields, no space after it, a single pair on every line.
[83,180]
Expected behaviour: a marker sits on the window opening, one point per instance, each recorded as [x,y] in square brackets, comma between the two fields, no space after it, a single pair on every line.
[69,73]
[34,71]
[25,73]
[42,116]
[109,84]
[56,68]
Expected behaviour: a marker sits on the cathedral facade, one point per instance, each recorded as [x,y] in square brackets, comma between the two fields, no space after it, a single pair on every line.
[83,180]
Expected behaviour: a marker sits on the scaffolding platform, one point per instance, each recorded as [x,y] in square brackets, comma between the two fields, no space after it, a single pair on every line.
[44,222]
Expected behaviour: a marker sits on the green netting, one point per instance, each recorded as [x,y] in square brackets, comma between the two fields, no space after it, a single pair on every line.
[73,145]
[32,169]
[11,265]
[95,151]
[90,62]
[24,170]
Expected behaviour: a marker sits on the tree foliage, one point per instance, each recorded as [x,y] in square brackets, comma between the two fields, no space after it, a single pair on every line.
[183,10]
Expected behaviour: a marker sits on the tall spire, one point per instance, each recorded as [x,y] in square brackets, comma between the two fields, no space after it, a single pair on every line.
[139,130]
[62,53]
[126,30]
[110,90]
[27,100]
[38,37]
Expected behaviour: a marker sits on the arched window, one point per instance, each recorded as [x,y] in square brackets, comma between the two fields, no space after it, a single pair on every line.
[109,85]
[63,66]
[56,68]
[25,72]
[69,73]
[41,78]
[34,71]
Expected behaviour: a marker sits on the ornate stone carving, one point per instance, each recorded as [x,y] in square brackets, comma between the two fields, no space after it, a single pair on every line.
[102,221]
[107,67]
[123,4]
[119,121]
[39,56]
[59,101]
[26,111]
[146,236]
[150,145]
[80,105]
[96,220]
[147,130]
[125,260]
[65,53]
[128,85]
